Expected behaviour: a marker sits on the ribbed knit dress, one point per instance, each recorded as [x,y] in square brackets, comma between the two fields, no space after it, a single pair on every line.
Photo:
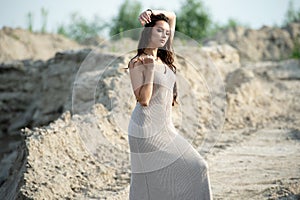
[164,165]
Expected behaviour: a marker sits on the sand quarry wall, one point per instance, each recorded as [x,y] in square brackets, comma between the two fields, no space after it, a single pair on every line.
[83,100]
[19,44]
[264,44]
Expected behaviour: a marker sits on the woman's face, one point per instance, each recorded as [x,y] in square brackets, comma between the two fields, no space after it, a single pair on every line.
[160,34]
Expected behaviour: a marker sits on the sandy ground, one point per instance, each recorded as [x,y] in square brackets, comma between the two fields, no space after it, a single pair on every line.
[258,164]
[254,164]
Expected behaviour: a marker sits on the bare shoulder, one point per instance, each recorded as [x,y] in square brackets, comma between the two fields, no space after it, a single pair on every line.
[135,62]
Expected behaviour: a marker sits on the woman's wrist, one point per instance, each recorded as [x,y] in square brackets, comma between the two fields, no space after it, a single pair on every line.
[149,76]
[150,11]
[169,14]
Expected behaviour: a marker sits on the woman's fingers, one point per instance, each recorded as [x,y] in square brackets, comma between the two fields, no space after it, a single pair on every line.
[148,59]
[142,21]
[145,18]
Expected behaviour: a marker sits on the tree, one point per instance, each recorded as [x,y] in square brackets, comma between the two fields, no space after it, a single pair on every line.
[29,17]
[127,19]
[231,23]
[193,19]
[44,14]
[291,14]
[81,29]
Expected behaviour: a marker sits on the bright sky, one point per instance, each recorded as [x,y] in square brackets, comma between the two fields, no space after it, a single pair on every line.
[255,13]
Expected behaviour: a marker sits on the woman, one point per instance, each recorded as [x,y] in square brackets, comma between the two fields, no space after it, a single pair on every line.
[164,165]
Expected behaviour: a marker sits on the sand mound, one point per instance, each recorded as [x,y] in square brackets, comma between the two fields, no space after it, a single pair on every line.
[82,100]
[61,156]
[264,44]
[18,44]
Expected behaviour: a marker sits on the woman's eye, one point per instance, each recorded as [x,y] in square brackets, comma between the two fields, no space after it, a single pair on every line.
[161,30]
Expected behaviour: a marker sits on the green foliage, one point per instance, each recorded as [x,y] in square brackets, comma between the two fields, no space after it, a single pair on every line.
[291,14]
[61,30]
[127,19]
[44,14]
[231,23]
[214,28]
[193,19]
[296,50]
[29,17]
[81,29]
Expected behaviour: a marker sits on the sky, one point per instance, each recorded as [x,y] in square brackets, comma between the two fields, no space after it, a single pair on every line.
[254,13]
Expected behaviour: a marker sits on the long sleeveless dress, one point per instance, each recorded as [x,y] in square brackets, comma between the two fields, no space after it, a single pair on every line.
[164,165]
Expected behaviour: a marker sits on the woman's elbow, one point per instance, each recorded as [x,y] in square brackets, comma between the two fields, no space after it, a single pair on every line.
[174,15]
[144,103]
[145,98]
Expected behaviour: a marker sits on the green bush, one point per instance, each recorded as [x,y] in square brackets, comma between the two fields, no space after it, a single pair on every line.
[81,29]
[296,50]
[193,19]
[44,16]
[29,18]
[291,14]
[231,23]
[127,19]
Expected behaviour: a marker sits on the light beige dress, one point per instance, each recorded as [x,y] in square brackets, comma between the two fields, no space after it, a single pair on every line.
[164,166]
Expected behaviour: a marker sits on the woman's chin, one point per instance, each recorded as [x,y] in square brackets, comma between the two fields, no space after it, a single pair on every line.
[161,45]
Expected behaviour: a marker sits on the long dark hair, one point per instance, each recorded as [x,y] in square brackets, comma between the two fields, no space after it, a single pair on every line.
[165,53]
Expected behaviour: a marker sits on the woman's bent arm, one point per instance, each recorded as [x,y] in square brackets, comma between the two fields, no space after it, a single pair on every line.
[145,92]
[142,76]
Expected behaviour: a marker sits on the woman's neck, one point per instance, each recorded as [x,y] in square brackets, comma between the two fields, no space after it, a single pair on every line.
[151,51]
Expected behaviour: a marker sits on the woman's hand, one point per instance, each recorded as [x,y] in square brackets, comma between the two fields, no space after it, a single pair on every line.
[148,62]
[145,17]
